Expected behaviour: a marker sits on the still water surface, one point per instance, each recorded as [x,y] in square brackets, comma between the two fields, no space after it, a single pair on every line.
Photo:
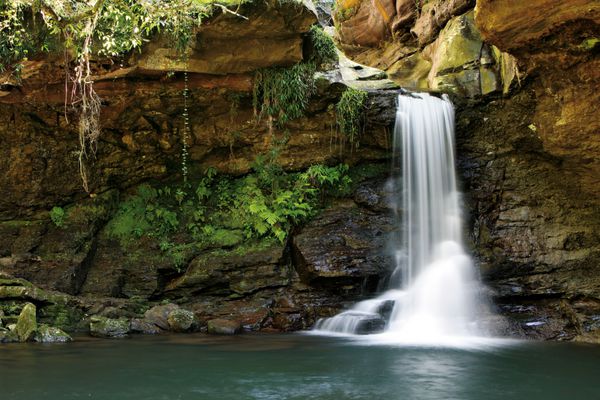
[294,367]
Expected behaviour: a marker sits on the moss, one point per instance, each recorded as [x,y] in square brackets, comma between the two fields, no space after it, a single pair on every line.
[57,215]
[589,43]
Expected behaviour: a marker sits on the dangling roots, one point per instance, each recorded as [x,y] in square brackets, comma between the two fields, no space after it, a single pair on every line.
[87,100]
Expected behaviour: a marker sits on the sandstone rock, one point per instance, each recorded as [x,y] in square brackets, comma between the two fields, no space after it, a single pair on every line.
[224,327]
[181,320]
[365,22]
[109,328]
[456,59]
[411,72]
[434,15]
[226,44]
[512,25]
[26,324]
[50,334]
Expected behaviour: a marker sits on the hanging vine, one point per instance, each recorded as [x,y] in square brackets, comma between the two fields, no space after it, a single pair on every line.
[186,130]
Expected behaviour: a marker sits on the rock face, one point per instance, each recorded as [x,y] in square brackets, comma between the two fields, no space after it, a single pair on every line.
[347,244]
[228,44]
[535,233]
[526,139]
[422,45]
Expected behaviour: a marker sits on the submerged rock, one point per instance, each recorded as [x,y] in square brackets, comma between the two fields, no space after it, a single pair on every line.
[370,325]
[51,334]
[26,324]
[224,327]
[109,328]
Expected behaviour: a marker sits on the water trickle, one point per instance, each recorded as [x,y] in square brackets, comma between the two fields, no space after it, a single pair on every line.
[437,291]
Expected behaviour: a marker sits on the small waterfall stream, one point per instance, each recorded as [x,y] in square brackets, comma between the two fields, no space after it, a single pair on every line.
[436,293]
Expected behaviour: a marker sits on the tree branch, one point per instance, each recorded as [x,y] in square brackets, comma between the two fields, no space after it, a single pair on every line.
[227,10]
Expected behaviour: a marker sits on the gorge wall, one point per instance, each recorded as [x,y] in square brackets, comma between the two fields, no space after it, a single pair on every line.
[524,78]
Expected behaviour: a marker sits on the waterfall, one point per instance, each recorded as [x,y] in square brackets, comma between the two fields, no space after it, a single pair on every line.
[434,291]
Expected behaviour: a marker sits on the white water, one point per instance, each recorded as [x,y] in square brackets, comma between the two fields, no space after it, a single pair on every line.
[436,300]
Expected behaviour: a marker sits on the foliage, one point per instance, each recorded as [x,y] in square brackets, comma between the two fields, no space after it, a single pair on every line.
[350,114]
[57,215]
[224,212]
[324,50]
[17,41]
[283,93]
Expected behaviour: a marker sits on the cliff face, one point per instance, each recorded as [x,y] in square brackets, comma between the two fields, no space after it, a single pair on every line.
[527,140]
[260,284]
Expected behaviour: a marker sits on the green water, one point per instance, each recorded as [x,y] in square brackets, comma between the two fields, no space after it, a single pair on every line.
[293,367]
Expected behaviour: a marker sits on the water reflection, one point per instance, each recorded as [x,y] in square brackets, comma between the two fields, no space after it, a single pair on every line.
[292,367]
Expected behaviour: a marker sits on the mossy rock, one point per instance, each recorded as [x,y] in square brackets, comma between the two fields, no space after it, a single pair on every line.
[109,328]
[181,320]
[51,334]
[26,324]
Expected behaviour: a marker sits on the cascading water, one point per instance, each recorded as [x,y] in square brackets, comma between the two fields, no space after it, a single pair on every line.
[437,290]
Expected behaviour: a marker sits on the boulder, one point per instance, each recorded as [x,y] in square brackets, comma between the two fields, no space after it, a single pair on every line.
[26,324]
[109,328]
[181,320]
[142,326]
[159,315]
[50,334]
[224,327]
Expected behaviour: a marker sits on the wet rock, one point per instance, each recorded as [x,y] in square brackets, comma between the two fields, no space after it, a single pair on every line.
[224,327]
[50,334]
[344,247]
[370,325]
[366,197]
[109,328]
[181,320]
[26,324]
[8,336]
